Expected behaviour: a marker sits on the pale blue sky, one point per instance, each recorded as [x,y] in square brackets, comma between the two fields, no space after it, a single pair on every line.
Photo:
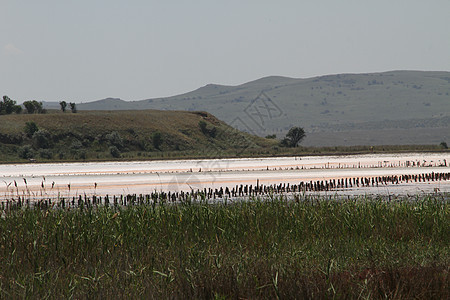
[88,50]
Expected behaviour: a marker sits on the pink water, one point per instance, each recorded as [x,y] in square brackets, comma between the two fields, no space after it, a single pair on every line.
[71,179]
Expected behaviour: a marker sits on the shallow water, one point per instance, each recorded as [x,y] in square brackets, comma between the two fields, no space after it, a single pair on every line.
[143,177]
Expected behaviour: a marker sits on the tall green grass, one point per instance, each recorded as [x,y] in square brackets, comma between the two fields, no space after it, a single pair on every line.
[363,247]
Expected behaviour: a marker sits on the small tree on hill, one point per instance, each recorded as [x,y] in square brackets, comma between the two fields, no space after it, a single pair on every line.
[73,107]
[63,105]
[29,107]
[33,106]
[293,137]
[9,106]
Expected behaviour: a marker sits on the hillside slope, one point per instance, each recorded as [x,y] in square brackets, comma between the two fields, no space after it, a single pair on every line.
[147,133]
[398,107]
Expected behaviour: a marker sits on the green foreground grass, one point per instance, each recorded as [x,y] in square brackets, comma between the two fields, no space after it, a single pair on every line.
[362,247]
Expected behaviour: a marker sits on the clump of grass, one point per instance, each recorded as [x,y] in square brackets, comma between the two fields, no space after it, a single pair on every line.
[362,247]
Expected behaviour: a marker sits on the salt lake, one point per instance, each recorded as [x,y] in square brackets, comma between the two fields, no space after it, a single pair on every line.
[35,180]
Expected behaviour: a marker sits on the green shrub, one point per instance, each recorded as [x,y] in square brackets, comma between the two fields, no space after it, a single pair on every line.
[209,132]
[76,144]
[30,128]
[82,154]
[42,139]
[114,151]
[46,153]
[202,125]
[26,152]
[157,140]
[115,139]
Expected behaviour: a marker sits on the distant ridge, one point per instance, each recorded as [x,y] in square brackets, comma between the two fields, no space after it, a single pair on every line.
[340,109]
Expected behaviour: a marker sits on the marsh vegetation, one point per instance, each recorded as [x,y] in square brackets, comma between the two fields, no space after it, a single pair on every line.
[273,248]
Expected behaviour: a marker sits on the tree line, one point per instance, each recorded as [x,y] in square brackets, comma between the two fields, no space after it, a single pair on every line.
[9,106]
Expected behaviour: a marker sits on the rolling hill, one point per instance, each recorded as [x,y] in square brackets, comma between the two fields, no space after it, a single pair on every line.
[104,135]
[398,107]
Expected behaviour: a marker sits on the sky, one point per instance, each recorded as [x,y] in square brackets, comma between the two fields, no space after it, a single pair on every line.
[81,51]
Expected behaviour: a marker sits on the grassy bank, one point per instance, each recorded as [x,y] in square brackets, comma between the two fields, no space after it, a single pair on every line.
[107,135]
[361,247]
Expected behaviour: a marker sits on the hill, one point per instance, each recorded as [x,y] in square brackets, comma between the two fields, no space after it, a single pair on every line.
[398,107]
[127,134]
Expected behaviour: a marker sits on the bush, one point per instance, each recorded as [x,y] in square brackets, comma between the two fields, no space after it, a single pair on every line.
[77,153]
[9,106]
[26,152]
[210,132]
[82,154]
[115,139]
[42,139]
[157,140]
[46,153]
[213,132]
[34,107]
[202,125]
[76,144]
[30,128]
[114,151]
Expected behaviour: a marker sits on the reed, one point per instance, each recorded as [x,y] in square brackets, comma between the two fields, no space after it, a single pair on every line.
[272,248]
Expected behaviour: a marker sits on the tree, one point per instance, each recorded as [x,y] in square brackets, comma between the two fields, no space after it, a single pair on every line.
[33,106]
[17,109]
[63,105]
[73,107]
[293,137]
[29,106]
[9,106]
